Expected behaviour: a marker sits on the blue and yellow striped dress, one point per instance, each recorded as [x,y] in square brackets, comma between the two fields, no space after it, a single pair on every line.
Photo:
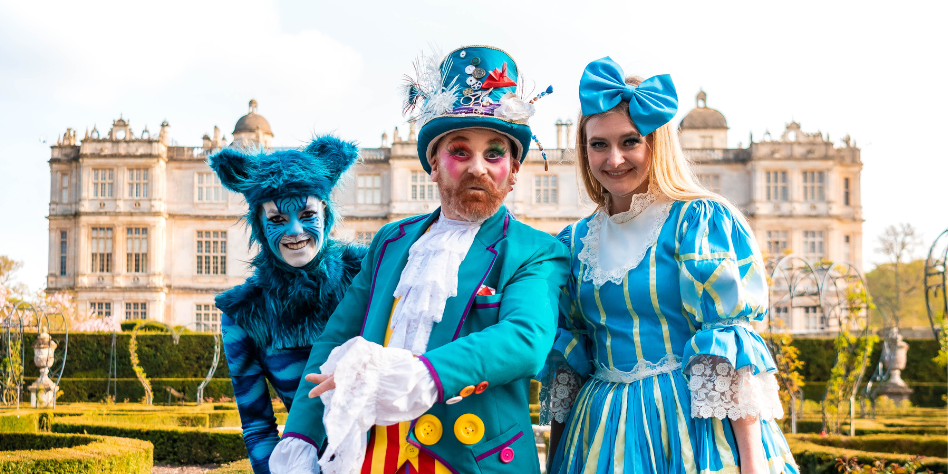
[692,294]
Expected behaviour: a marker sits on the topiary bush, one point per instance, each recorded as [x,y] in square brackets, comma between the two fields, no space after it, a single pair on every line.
[817,455]
[172,445]
[238,467]
[47,453]
[21,422]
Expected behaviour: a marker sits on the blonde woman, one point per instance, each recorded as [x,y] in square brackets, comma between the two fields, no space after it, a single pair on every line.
[656,367]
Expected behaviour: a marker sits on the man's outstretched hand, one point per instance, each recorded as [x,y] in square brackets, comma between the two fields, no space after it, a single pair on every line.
[326,383]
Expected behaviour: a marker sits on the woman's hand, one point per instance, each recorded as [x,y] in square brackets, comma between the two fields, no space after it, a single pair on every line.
[326,383]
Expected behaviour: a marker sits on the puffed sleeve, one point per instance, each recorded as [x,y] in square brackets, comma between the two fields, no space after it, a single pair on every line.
[723,288]
[569,362]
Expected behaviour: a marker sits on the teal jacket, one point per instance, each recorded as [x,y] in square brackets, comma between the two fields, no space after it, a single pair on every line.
[501,339]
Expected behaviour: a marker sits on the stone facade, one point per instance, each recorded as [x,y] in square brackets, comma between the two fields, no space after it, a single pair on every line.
[139,228]
[800,192]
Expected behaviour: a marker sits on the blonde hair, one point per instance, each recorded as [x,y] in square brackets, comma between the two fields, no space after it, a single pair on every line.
[669,170]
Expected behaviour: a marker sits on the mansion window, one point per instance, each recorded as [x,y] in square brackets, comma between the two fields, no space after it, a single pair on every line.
[62,252]
[136,310]
[369,189]
[711,182]
[546,189]
[776,242]
[777,186]
[101,246]
[782,314]
[63,187]
[813,318]
[365,237]
[847,248]
[846,192]
[813,244]
[209,188]
[211,252]
[136,250]
[422,188]
[207,318]
[138,183]
[101,309]
[102,180]
[813,189]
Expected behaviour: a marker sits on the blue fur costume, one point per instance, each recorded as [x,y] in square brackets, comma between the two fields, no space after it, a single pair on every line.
[270,322]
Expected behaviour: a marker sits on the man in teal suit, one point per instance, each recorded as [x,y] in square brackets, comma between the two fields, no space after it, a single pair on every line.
[425,365]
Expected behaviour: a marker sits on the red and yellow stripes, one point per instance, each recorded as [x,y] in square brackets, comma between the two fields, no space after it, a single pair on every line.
[388,451]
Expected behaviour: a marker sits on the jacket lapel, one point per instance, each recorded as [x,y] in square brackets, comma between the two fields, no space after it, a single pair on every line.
[471,275]
[392,258]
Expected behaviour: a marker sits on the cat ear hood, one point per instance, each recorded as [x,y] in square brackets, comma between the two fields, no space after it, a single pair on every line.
[262,177]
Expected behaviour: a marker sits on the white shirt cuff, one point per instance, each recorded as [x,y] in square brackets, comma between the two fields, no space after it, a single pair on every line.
[293,456]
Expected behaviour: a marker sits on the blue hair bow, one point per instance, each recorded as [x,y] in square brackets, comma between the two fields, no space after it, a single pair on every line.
[652,103]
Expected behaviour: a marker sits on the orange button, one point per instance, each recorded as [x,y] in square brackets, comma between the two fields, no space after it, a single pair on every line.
[467,390]
[428,430]
[411,451]
[481,387]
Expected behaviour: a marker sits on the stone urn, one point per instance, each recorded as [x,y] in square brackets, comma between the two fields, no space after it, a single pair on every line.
[894,359]
[43,391]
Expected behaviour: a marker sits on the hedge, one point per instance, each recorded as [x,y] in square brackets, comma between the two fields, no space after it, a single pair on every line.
[89,356]
[23,422]
[26,453]
[820,355]
[817,455]
[80,390]
[238,467]
[924,394]
[172,445]
[872,427]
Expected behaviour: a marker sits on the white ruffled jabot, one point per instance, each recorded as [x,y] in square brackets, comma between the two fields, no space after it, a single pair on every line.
[430,277]
[616,244]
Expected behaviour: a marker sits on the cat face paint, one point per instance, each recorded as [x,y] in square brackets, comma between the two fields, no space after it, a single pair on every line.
[293,227]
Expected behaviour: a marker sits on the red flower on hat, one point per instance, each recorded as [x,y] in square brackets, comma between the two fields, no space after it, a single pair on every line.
[498,78]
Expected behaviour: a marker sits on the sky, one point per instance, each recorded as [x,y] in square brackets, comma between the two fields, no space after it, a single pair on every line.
[875,71]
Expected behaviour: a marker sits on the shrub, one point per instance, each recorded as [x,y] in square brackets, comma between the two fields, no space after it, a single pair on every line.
[238,467]
[81,390]
[24,453]
[89,356]
[191,420]
[172,445]
[221,418]
[817,455]
[20,422]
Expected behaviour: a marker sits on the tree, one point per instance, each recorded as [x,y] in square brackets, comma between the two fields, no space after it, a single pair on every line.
[882,286]
[898,243]
[8,267]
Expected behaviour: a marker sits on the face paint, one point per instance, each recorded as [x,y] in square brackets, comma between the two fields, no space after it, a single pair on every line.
[293,228]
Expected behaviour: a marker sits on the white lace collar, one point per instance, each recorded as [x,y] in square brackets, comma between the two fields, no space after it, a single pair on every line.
[429,278]
[614,245]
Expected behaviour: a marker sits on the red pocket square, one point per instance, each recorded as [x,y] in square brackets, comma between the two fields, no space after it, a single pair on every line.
[485,291]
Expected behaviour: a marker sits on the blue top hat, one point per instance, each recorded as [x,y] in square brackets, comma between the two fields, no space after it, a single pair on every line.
[473,87]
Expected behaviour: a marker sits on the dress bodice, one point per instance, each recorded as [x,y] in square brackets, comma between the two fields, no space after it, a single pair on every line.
[641,318]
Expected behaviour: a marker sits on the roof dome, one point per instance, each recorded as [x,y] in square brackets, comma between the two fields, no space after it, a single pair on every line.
[702,117]
[253,121]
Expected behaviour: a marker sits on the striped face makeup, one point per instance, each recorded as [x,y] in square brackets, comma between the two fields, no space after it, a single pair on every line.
[294,228]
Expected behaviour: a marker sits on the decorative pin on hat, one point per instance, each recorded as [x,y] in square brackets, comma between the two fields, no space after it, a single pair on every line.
[458,92]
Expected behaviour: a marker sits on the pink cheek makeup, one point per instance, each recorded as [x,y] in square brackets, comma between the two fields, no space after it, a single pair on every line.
[455,157]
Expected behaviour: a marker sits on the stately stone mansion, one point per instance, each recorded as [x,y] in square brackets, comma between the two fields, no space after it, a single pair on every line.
[140,228]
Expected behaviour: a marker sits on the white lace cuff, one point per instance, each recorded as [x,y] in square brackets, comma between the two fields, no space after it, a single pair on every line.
[557,393]
[375,385]
[719,391]
[293,456]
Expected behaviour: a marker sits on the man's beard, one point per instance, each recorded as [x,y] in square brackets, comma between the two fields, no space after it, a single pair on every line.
[474,205]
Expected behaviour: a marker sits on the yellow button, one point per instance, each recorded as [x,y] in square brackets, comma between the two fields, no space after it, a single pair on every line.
[468,390]
[411,451]
[428,429]
[469,429]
